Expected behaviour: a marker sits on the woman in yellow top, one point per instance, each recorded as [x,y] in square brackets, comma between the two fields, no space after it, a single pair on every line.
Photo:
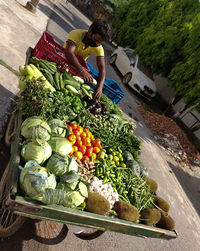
[84,43]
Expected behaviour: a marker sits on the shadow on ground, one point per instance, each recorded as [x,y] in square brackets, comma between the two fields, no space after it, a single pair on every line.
[189,184]
[30,231]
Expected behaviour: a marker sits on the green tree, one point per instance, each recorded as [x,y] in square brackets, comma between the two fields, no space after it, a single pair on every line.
[165,33]
[132,17]
[185,76]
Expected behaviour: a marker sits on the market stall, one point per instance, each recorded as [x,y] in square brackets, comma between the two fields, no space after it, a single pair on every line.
[74,159]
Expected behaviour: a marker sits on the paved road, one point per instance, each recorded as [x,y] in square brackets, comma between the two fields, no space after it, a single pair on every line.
[161,167]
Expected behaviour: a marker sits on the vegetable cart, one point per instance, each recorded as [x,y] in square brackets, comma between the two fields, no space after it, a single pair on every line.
[15,207]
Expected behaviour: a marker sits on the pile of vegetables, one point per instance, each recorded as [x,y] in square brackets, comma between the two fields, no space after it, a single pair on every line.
[85,146]
[79,152]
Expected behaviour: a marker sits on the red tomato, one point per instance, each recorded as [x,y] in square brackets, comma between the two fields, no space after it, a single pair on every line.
[78,143]
[86,131]
[87,142]
[71,138]
[93,157]
[72,142]
[72,151]
[70,129]
[89,134]
[96,149]
[80,129]
[78,138]
[85,159]
[73,126]
[76,133]
[96,142]
[89,151]
[83,136]
[75,148]
[82,149]
[78,155]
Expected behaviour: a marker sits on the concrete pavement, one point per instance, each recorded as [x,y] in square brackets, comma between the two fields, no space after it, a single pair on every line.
[19,30]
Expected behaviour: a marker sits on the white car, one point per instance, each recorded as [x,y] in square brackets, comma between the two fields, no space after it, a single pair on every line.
[133,71]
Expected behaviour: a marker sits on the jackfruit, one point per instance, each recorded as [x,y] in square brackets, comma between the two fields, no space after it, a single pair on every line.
[166,222]
[153,186]
[126,211]
[161,203]
[96,203]
[150,216]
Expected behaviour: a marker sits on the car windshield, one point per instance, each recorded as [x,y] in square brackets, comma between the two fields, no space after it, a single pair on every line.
[141,67]
[130,55]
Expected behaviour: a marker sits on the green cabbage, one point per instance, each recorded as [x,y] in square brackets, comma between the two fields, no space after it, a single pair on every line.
[71,191]
[58,164]
[70,177]
[35,127]
[53,196]
[60,145]
[73,166]
[71,199]
[38,150]
[58,128]
[34,179]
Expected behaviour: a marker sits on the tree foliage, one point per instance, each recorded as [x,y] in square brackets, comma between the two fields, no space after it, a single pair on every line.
[165,33]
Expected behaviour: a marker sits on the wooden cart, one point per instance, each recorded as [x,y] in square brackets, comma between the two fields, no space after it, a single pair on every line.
[15,208]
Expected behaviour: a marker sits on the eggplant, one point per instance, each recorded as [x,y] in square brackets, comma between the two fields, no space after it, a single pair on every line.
[94,111]
[104,107]
[98,106]
[87,99]
[95,100]
[103,112]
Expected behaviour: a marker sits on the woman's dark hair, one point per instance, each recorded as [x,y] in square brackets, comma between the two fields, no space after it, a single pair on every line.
[102,28]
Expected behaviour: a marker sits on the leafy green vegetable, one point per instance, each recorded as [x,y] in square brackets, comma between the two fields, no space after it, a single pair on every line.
[58,164]
[71,193]
[60,145]
[73,166]
[58,127]
[53,196]
[38,150]
[115,131]
[35,127]
[34,179]
[70,177]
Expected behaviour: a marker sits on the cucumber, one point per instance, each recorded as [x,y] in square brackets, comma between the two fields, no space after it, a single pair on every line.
[85,87]
[85,92]
[48,76]
[78,79]
[56,78]
[67,76]
[61,81]
[44,66]
[51,67]
[72,89]
[73,83]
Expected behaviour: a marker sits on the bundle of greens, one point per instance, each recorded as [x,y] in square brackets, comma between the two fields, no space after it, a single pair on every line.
[36,100]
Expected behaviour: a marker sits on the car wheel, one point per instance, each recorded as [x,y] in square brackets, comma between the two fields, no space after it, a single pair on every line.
[113,59]
[127,78]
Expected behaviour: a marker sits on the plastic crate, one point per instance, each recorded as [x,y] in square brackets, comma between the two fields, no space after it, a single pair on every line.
[48,49]
[111,88]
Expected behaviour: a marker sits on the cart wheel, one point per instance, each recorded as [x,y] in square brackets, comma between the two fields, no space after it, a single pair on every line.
[10,131]
[9,222]
[89,234]
[50,233]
